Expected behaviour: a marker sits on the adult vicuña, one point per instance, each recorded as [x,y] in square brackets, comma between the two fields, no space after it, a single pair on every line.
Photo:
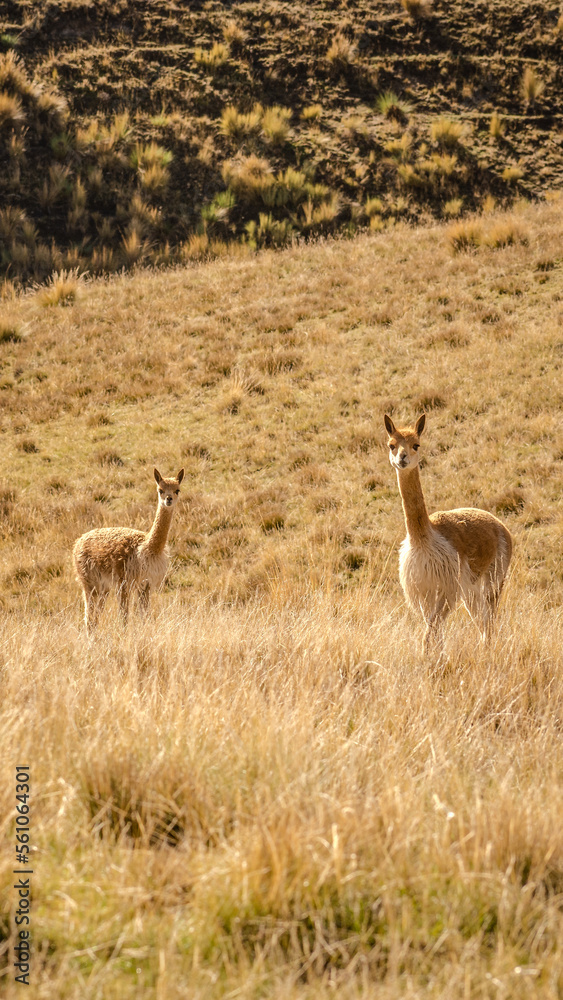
[452,555]
[125,558]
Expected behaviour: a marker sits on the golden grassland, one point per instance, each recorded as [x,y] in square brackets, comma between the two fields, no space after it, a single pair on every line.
[264,790]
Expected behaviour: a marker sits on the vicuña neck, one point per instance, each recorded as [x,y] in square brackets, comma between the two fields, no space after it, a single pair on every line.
[158,535]
[417,521]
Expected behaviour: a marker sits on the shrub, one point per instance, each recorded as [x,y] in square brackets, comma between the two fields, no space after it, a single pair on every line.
[532,86]
[497,127]
[446,133]
[62,289]
[11,111]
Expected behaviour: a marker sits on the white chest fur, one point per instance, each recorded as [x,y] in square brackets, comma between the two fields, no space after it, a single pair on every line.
[429,573]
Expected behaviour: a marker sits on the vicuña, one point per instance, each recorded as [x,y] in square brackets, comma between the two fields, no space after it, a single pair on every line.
[124,558]
[452,555]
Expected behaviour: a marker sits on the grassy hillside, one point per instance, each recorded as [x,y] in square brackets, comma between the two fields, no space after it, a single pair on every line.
[160,132]
[264,790]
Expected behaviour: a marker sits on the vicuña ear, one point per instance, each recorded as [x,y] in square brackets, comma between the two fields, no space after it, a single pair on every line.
[157,475]
[419,426]
[389,425]
[180,475]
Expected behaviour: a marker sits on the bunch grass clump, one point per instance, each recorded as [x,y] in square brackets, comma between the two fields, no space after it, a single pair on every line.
[342,52]
[391,106]
[213,58]
[417,8]
[446,132]
[497,126]
[532,85]
[62,289]
[12,113]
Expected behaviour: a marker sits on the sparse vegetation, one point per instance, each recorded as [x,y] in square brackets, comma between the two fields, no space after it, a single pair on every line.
[74,159]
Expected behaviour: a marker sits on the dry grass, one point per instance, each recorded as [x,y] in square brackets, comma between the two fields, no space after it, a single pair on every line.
[62,289]
[417,8]
[264,791]
[532,85]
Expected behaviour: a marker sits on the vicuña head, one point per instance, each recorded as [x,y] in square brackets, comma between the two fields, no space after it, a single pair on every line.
[168,489]
[125,558]
[404,443]
[453,555]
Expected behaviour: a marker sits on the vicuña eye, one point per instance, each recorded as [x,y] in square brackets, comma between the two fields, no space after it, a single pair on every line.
[392,447]
[415,447]
[176,492]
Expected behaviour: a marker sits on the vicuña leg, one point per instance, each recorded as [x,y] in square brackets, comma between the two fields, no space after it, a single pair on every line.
[434,635]
[124,593]
[94,603]
[144,597]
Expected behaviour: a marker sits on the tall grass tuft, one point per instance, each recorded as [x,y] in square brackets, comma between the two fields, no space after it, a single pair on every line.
[275,124]
[446,133]
[497,127]
[532,86]
[417,8]
[390,105]
[12,113]
[213,58]
[63,289]
[341,53]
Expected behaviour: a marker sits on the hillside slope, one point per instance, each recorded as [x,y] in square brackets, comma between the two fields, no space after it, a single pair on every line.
[145,131]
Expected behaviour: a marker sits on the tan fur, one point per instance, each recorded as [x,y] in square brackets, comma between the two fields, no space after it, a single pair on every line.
[453,555]
[125,558]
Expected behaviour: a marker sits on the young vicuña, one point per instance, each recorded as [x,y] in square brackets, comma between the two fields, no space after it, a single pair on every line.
[125,558]
[451,555]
